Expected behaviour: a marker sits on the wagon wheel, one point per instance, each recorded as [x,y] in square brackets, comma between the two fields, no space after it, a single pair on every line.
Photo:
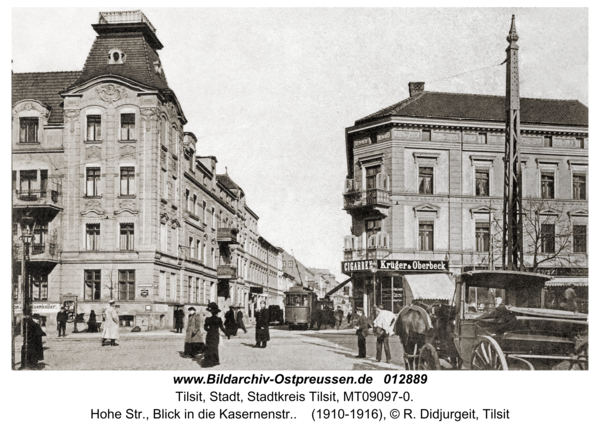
[487,355]
[582,353]
[428,358]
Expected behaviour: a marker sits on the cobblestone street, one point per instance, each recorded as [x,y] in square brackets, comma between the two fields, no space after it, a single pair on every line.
[163,350]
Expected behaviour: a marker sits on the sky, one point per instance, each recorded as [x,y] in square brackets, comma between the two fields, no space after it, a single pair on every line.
[269,92]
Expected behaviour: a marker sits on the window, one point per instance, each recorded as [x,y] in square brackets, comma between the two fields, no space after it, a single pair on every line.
[426,136]
[39,287]
[547,141]
[425,180]
[548,238]
[191,246]
[482,138]
[127,231]
[173,285]
[190,289]
[94,123]
[579,186]
[199,250]
[371,173]
[482,182]
[195,203]
[93,181]
[29,130]
[547,185]
[91,285]
[127,126]
[197,295]
[482,236]
[204,212]
[92,235]
[40,233]
[579,143]
[187,200]
[426,236]
[213,217]
[162,284]
[126,284]
[127,181]
[579,238]
[163,237]
[372,227]
[29,180]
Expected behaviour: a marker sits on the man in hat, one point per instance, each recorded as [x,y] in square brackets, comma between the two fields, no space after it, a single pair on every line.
[239,319]
[231,326]
[362,331]
[262,326]
[179,316]
[61,321]
[384,325]
[339,316]
[110,327]
[194,334]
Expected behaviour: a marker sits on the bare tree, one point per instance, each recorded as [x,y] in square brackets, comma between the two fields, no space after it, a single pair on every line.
[113,282]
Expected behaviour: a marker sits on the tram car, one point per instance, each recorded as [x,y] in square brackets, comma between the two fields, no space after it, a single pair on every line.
[301,308]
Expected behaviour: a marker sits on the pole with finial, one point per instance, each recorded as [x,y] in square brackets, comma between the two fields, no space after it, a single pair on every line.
[512,238]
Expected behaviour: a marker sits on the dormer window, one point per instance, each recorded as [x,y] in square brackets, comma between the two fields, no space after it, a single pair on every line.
[116,56]
[29,130]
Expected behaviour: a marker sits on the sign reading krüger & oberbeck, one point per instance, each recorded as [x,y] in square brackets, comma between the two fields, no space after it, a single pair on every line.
[412,265]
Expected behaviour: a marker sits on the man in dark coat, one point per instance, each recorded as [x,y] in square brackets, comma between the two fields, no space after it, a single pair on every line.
[61,321]
[230,324]
[362,331]
[262,327]
[35,350]
[194,334]
[239,319]
[339,316]
[179,316]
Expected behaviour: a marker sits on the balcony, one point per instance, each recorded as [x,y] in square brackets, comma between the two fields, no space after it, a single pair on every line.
[124,17]
[366,203]
[43,205]
[227,235]
[40,255]
[226,271]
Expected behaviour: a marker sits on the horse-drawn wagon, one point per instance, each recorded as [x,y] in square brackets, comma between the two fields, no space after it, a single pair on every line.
[496,321]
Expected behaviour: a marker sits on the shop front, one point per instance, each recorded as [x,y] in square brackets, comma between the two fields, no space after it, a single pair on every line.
[393,284]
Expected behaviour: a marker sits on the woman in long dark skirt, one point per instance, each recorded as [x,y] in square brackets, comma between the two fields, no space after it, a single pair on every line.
[92,324]
[212,325]
[231,326]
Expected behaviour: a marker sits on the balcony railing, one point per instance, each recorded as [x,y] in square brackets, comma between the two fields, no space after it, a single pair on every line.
[37,251]
[227,235]
[369,198]
[226,271]
[124,17]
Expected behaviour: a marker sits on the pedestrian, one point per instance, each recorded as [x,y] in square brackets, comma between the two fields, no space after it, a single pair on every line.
[61,321]
[92,324]
[212,325]
[35,349]
[339,316]
[384,326]
[231,326]
[240,320]
[362,331]
[349,317]
[194,334]
[110,328]
[179,316]
[262,327]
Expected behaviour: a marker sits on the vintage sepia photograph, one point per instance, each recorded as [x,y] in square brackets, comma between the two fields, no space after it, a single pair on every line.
[299,189]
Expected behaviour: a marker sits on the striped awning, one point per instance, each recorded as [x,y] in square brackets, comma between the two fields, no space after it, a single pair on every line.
[566,282]
[434,286]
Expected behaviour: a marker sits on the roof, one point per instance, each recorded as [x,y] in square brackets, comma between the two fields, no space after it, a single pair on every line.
[44,87]
[228,182]
[430,104]
[138,65]
[434,286]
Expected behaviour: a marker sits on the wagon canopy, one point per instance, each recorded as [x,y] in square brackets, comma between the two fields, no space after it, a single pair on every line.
[433,286]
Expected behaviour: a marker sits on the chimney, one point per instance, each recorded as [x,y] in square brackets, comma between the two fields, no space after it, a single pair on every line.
[416,88]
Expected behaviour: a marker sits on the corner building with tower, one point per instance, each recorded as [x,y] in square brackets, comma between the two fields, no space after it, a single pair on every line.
[425,189]
[119,205]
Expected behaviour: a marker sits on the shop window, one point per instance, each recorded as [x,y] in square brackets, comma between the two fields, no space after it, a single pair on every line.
[482,182]
[426,236]
[126,320]
[127,126]
[482,236]
[547,185]
[548,238]
[29,130]
[92,285]
[579,186]
[579,238]
[92,236]
[94,128]
[126,285]
[127,181]
[127,236]
[425,180]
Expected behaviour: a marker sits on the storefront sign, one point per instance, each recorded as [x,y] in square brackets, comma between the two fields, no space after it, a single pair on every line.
[40,308]
[161,308]
[397,265]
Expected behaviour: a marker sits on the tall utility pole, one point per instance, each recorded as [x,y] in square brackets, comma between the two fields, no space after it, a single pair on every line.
[512,237]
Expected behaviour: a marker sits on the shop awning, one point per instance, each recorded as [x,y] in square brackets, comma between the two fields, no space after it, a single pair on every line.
[338,287]
[434,286]
[566,282]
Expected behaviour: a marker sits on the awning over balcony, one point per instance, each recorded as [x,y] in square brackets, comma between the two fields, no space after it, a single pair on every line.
[338,287]
[434,286]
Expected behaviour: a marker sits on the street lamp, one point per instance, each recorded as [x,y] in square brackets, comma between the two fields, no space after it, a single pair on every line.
[27,225]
